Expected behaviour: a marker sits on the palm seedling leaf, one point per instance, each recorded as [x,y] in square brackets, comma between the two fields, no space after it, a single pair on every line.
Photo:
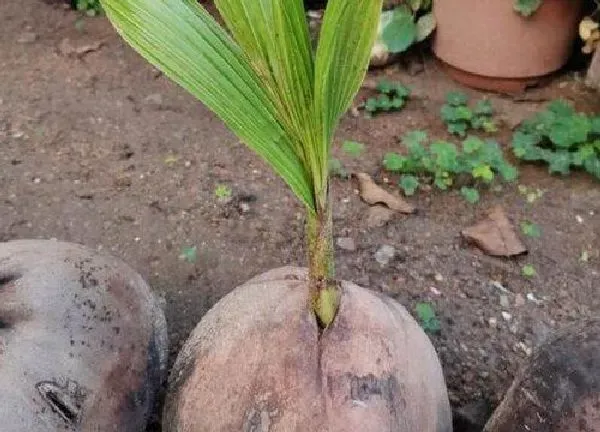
[264,82]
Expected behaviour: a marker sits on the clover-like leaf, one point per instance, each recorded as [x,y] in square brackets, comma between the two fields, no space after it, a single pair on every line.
[472,144]
[470,194]
[483,107]
[456,98]
[525,146]
[527,7]
[394,162]
[427,318]
[483,172]
[445,155]
[508,172]
[353,148]
[559,163]
[385,86]
[400,30]
[458,128]
[568,131]
[531,229]
[401,90]
[561,108]
[397,102]
[592,166]
[528,270]
[336,168]
[409,184]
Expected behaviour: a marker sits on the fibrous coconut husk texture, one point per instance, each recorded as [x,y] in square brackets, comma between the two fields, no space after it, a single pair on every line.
[257,362]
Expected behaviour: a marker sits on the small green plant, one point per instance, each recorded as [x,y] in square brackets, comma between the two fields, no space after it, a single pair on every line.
[223,192]
[392,97]
[189,254]
[351,148]
[562,138]
[530,229]
[337,169]
[531,195]
[427,317]
[404,26]
[460,118]
[478,162]
[470,194]
[528,270]
[89,7]
[527,7]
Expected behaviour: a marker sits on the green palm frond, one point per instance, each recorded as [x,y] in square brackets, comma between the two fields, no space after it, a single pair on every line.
[264,82]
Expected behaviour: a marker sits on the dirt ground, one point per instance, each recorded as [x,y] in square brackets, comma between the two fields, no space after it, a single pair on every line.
[96,147]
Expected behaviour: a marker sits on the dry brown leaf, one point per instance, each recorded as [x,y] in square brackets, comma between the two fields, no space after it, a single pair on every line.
[495,235]
[373,194]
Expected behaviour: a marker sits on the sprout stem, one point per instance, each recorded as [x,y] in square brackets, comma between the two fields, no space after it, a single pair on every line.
[324,291]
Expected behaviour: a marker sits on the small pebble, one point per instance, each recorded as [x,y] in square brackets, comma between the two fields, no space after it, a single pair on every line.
[506,316]
[384,254]
[435,291]
[244,207]
[438,277]
[346,243]
[519,300]
[493,322]
[531,297]
[155,100]
[504,301]
[27,37]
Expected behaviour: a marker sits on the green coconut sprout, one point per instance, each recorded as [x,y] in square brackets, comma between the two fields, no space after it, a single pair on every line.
[283,99]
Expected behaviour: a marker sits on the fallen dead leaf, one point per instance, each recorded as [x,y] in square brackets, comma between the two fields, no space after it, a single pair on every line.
[373,194]
[495,235]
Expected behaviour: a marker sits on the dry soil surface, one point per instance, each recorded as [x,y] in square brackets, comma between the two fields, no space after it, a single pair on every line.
[99,148]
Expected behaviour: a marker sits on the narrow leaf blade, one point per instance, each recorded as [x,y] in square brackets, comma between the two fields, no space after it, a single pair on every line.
[180,38]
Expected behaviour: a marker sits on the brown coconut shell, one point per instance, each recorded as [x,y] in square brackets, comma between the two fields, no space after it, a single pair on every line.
[558,390]
[83,341]
[256,363]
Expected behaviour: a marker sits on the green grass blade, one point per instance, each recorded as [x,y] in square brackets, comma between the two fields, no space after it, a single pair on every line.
[180,38]
[348,32]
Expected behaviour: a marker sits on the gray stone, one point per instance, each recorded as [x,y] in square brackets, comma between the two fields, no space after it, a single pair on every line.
[593,73]
[384,254]
[155,100]
[83,342]
[27,38]
[346,243]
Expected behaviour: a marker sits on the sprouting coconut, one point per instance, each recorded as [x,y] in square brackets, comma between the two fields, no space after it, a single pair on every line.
[292,350]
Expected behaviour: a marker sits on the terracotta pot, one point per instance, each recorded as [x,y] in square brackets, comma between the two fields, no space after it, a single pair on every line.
[487,44]
[257,362]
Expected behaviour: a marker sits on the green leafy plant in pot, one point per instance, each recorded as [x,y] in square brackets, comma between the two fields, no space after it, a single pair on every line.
[400,28]
[293,349]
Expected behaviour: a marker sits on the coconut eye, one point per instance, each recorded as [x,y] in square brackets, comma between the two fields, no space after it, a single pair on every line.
[11,310]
